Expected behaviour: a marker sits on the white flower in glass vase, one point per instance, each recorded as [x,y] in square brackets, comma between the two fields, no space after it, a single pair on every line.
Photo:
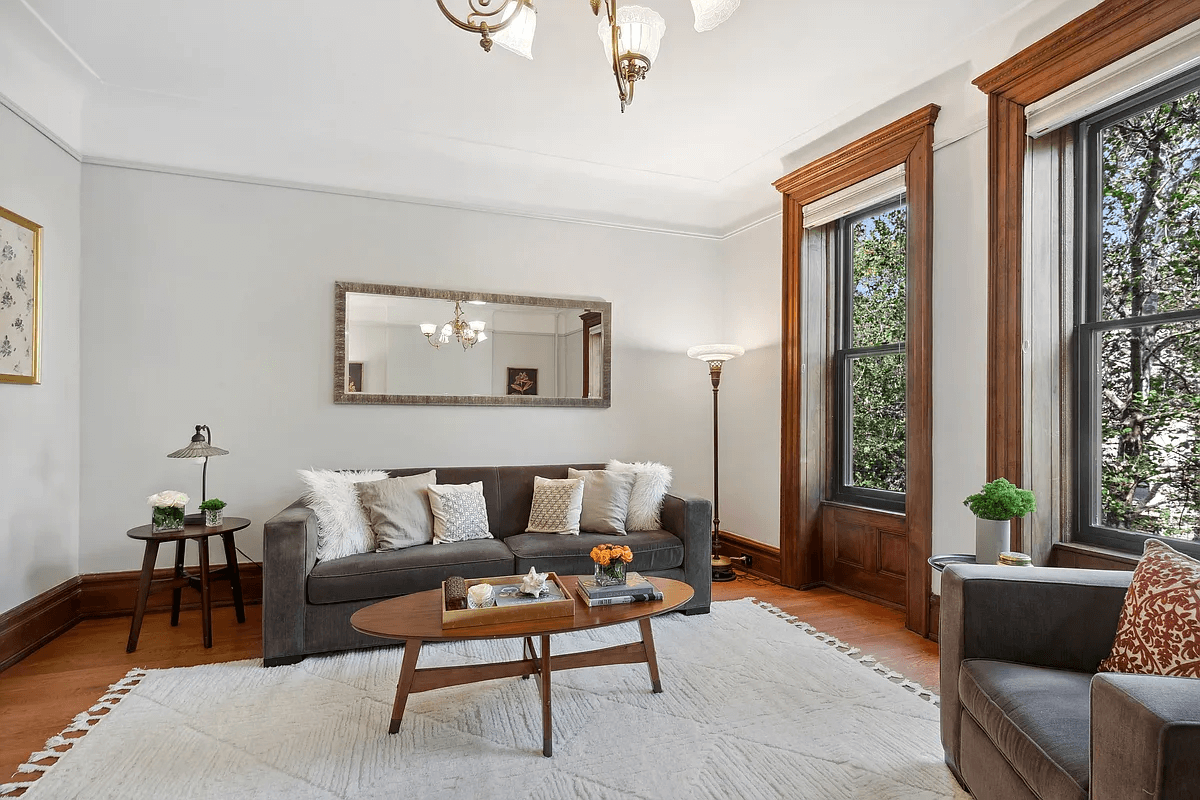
[167,514]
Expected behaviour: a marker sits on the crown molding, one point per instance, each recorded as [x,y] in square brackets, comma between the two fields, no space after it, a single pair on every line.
[343,191]
[33,122]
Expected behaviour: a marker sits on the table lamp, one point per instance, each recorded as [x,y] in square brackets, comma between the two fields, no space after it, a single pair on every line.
[200,447]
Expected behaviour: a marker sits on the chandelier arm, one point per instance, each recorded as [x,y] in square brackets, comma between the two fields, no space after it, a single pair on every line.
[483,15]
[626,97]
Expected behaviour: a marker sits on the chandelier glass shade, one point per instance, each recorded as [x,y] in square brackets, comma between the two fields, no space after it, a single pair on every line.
[631,35]
[468,334]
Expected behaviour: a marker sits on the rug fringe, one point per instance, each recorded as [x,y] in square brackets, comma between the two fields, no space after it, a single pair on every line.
[82,723]
[854,653]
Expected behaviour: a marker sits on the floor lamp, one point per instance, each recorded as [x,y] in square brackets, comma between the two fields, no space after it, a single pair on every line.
[716,355]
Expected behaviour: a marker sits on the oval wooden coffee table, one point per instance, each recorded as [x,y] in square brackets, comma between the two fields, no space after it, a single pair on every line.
[417,618]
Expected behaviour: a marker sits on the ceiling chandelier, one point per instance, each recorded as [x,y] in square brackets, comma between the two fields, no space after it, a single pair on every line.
[468,334]
[631,35]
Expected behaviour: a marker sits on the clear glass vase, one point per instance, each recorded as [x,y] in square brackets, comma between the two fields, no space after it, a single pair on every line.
[214,517]
[612,575]
[166,519]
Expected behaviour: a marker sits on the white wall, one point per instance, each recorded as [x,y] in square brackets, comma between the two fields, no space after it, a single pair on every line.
[212,302]
[39,425]
[750,390]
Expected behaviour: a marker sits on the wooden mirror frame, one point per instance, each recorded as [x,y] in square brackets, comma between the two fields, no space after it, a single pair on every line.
[341,396]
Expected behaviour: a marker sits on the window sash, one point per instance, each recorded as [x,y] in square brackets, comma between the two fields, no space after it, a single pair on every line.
[1090,324]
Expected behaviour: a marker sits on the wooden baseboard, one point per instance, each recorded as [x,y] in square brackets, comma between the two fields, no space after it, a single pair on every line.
[764,559]
[37,621]
[40,619]
[114,594]
[935,615]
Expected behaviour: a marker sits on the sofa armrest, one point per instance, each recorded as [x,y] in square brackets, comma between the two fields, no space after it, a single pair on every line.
[690,519]
[289,553]
[1062,618]
[1145,736]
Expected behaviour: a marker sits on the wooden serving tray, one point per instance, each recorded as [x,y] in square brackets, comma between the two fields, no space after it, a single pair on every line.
[467,617]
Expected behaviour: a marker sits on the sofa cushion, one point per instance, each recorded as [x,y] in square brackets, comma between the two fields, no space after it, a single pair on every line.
[413,569]
[653,551]
[1038,718]
[398,510]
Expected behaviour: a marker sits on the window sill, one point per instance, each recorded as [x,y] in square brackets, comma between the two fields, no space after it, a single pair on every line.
[898,515]
[1079,554]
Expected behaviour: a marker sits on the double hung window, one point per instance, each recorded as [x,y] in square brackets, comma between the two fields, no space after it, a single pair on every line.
[1138,318]
[870,394]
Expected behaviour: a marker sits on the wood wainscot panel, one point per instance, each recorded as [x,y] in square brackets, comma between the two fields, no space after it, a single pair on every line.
[114,594]
[935,615]
[38,620]
[764,558]
[865,553]
[1074,555]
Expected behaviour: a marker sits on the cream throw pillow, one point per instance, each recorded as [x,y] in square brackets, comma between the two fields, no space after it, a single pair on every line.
[651,481]
[557,505]
[605,500]
[342,527]
[398,510]
[459,513]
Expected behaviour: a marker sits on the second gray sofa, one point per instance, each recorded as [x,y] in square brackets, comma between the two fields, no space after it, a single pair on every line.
[307,603]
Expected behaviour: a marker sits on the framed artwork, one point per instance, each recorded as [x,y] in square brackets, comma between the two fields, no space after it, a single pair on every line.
[20,299]
[523,381]
[356,376]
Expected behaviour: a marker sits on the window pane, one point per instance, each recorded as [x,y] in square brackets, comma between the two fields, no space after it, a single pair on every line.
[878,275]
[878,426]
[1150,211]
[1150,429]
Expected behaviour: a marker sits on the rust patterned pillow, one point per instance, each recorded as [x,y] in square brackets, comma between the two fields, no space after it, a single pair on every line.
[1159,631]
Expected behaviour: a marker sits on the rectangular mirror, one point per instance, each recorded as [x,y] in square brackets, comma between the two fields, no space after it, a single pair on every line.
[406,345]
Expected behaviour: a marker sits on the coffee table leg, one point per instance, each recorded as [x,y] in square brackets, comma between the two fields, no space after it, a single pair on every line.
[412,649]
[651,658]
[177,592]
[235,578]
[205,597]
[547,732]
[139,610]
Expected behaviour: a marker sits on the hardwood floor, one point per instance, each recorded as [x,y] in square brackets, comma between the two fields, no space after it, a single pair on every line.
[40,695]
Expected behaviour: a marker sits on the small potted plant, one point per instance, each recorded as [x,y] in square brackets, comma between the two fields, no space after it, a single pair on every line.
[214,513]
[167,511]
[994,507]
[610,560]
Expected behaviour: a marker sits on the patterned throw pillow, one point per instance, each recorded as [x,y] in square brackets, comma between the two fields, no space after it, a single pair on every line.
[1159,631]
[459,513]
[557,505]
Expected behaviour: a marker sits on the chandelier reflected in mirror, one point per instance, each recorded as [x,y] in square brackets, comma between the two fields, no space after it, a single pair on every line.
[468,334]
[631,35]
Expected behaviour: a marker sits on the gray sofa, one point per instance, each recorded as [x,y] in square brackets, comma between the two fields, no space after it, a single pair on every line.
[1024,714]
[307,604]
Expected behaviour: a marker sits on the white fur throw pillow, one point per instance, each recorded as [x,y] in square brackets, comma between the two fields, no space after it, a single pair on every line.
[342,527]
[651,482]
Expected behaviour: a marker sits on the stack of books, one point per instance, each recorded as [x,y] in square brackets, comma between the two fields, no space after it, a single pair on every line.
[635,589]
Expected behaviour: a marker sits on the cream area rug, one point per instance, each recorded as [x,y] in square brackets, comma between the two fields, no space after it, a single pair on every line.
[755,705]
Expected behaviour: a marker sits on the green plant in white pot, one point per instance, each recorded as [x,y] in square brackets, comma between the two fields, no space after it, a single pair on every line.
[994,507]
[214,512]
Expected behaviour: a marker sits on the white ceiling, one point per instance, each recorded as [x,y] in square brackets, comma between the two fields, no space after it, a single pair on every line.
[387,96]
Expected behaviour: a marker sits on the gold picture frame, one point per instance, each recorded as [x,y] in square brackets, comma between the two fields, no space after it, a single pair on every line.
[20,299]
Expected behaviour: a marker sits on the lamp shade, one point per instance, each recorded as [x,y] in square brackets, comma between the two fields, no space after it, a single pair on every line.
[642,30]
[517,36]
[715,352]
[199,447]
[428,328]
[711,13]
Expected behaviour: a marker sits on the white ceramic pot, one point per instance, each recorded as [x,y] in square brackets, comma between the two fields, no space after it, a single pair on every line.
[991,539]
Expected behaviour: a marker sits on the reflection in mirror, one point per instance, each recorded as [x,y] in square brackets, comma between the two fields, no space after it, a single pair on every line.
[403,345]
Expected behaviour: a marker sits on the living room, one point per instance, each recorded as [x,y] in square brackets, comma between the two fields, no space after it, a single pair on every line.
[203,179]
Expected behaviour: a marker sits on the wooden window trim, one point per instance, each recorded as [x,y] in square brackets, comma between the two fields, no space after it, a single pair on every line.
[1091,41]
[908,141]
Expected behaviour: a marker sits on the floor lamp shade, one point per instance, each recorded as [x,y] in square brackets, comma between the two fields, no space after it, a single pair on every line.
[716,355]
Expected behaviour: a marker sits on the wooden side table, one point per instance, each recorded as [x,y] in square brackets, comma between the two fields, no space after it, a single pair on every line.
[200,534]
